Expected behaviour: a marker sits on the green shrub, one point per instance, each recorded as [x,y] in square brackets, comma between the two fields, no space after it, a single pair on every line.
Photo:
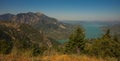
[5,47]
[36,50]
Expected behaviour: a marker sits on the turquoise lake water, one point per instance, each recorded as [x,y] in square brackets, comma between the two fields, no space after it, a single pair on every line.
[92,30]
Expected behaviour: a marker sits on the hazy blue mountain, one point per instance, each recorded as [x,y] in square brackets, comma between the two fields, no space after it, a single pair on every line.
[6,17]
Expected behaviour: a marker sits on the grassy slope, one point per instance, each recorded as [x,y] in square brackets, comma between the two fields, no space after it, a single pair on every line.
[57,57]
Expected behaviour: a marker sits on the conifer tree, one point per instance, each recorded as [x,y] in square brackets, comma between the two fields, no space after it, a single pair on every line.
[76,41]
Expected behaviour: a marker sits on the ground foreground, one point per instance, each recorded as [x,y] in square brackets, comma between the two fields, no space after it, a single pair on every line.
[63,57]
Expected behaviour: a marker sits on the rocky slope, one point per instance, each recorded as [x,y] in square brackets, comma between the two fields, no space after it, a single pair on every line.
[23,37]
[51,26]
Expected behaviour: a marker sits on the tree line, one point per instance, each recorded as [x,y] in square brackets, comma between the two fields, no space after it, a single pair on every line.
[105,46]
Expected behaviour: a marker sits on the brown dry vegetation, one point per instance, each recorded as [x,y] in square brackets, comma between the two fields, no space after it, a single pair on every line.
[57,57]
[70,58]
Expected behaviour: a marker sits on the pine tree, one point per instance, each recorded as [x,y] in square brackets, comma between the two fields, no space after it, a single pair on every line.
[106,46]
[107,34]
[76,41]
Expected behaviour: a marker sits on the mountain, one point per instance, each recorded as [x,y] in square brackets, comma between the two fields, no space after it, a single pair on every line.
[6,17]
[51,26]
[29,18]
[22,37]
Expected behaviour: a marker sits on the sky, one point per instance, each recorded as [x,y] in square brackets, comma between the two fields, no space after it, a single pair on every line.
[66,9]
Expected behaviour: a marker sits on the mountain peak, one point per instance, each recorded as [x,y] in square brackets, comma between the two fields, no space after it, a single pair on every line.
[28,18]
[40,21]
[39,13]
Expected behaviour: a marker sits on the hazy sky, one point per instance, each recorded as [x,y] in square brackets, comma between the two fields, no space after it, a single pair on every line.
[66,9]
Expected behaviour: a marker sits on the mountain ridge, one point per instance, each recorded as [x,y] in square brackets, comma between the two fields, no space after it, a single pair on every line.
[40,21]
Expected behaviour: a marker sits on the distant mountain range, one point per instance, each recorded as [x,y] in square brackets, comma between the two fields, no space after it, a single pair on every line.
[51,26]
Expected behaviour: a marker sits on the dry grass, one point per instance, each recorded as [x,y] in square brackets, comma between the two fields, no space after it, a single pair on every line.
[71,58]
[63,57]
[14,56]
[18,58]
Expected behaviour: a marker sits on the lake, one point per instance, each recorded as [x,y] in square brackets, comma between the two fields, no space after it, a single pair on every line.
[92,29]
